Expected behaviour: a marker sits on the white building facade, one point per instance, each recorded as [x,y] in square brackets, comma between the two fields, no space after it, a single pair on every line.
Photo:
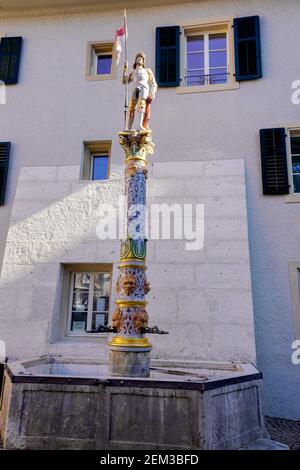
[226,126]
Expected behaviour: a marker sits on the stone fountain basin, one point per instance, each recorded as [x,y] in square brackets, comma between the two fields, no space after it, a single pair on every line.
[61,403]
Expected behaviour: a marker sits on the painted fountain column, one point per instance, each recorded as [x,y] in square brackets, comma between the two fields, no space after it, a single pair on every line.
[130,349]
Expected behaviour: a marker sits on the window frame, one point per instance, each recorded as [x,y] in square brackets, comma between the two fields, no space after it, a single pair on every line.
[98,154]
[90,149]
[290,125]
[212,27]
[71,270]
[99,54]
[206,52]
[289,160]
[94,49]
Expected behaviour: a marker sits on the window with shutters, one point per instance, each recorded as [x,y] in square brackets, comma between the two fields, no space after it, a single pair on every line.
[208,55]
[247,48]
[167,56]
[4,163]
[10,54]
[274,161]
[101,60]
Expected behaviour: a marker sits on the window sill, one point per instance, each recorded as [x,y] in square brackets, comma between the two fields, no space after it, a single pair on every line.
[92,78]
[93,181]
[86,337]
[289,198]
[206,88]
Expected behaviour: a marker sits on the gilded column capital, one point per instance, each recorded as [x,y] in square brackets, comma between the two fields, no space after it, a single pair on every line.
[136,144]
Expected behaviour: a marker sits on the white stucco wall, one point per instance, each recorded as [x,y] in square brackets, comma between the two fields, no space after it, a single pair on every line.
[53,110]
[202,297]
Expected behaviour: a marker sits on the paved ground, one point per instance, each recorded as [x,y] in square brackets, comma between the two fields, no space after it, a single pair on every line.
[285,431]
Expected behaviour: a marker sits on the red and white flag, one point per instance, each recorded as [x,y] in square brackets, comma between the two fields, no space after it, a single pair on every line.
[120,39]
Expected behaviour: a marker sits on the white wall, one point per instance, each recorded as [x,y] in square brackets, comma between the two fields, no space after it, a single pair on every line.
[53,109]
[202,297]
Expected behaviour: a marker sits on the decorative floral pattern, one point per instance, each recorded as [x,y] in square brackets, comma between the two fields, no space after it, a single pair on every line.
[133,249]
[131,321]
[136,190]
[131,284]
[136,166]
[131,318]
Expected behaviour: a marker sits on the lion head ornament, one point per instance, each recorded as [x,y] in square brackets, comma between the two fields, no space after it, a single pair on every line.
[128,283]
[117,320]
[140,320]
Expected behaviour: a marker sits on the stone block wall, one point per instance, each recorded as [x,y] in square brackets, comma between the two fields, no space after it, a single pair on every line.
[203,297]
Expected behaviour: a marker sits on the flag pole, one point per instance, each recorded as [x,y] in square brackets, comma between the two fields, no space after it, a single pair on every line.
[126,61]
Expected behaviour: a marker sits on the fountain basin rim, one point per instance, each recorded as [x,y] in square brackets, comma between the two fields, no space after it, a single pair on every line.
[171,379]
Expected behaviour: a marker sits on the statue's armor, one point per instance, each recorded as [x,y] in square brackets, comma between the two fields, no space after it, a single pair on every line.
[144,89]
[140,78]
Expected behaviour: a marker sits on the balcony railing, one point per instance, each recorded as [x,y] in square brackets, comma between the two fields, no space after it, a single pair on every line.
[192,78]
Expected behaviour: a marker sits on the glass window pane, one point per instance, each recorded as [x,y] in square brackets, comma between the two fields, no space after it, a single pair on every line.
[217,41]
[296,173]
[217,76]
[100,304]
[295,145]
[195,78]
[102,284]
[101,292]
[78,322]
[195,43]
[80,301]
[104,63]
[217,59]
[195,60]
[81,281]
[296,164]
[296,181]
[100,167]
[99,319]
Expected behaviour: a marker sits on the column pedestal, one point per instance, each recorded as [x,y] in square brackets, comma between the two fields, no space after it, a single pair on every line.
[129,363]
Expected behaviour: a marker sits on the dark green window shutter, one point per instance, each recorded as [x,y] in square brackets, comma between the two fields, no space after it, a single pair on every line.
[4,162]
[274,161]
[247,48]
[167,56]
[10,54]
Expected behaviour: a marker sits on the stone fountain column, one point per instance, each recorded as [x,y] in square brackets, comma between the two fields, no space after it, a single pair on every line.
[130,349]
